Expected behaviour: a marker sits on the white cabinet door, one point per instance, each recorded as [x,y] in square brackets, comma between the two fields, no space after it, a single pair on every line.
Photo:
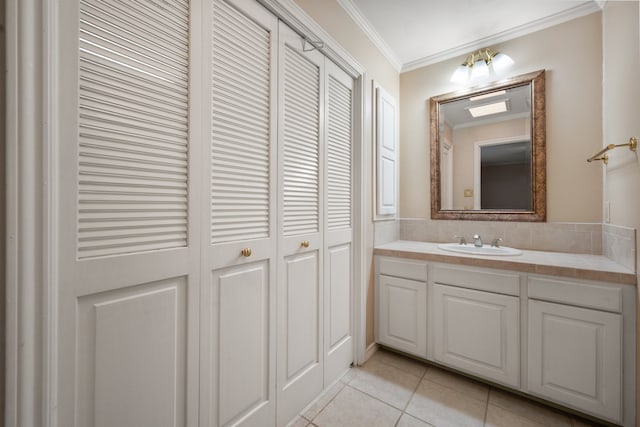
[575,357]
[477,332]
[402,314]
[387,153]
[301,225]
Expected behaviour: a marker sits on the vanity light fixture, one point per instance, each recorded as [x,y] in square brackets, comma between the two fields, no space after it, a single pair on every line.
[479,65]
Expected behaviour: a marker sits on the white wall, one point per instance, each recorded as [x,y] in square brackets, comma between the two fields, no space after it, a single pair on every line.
[621,120]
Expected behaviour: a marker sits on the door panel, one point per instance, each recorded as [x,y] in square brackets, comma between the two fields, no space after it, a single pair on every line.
[129,339]
[338,236]
[303,326]
[240,253]
[477,332]
[243,330]
[128,261]
[300,243]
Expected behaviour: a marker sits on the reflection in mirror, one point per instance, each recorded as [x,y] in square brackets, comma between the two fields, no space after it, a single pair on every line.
[488,152]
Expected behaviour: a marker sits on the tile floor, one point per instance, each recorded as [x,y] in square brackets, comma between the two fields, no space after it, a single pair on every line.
[391,390]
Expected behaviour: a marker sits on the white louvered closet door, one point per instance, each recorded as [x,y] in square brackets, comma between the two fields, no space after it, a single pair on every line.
[300,219]
[127,290]
[338,237]
[238,360]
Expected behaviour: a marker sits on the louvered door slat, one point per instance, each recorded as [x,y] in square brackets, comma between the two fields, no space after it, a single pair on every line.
[115,21]
[99,76]
[241,130]
[133,127]
[301,144]
[338,155]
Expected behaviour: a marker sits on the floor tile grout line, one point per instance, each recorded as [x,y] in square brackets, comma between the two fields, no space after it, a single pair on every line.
[486,407]
[404,411]
[327,404]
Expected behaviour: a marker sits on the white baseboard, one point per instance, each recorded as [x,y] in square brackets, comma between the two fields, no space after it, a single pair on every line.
[371,350]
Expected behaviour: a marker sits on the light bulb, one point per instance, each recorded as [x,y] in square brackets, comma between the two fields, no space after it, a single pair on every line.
[460,75]
[480,70]
[501,62]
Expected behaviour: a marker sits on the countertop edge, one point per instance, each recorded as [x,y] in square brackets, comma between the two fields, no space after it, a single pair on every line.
[520,266]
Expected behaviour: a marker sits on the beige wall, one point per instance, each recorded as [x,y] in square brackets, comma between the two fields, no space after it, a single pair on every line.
[571,54]
[464,140]
[621,119]
[335,21]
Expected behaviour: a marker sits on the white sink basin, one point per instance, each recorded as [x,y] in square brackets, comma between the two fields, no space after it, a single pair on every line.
[479,250]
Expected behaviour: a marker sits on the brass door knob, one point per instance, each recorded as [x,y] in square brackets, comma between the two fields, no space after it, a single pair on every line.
[246,252]
[305,244]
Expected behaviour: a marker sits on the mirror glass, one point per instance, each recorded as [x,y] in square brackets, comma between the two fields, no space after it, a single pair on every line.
[488,152]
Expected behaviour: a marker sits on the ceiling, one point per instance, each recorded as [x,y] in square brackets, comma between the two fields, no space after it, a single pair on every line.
[416,33]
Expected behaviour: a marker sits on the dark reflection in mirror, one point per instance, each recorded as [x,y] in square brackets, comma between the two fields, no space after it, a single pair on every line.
[488,152]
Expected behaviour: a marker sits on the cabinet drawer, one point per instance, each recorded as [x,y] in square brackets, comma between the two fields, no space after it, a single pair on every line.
[583,294]
[480,279]
[408,269]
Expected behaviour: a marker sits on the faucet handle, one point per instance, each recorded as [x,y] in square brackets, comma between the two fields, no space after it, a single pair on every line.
[461,240]
[496,242]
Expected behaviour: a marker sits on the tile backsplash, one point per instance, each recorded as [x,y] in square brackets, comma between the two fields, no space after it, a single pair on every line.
[619,244]
[586,238]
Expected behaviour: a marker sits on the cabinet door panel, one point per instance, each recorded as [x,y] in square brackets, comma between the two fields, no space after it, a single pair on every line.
[402,314]
[477,332]
[575,357]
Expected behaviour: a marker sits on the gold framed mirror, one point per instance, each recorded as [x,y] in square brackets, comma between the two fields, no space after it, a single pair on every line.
[488,151]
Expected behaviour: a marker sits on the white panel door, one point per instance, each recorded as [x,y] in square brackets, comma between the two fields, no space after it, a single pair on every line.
[477,332]
[128,262]
[575,357]
[300,243]
[238,304]
[402,314]
[338,271]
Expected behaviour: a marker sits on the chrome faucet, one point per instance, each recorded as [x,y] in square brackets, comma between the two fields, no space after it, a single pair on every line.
[461,240]
[496,242]
[477,241]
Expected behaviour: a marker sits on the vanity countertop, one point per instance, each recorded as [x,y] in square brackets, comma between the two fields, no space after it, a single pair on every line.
[578,266]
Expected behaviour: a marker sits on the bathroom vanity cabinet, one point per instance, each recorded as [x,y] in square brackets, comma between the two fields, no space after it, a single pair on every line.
[567,340]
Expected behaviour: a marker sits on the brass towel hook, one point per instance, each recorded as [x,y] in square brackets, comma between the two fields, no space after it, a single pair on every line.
[601,155]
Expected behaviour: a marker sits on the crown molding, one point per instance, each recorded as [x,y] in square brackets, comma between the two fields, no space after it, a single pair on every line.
[366,27]
[521,30]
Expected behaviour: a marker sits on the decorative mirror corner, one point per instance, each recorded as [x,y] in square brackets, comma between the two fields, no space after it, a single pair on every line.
[488,151]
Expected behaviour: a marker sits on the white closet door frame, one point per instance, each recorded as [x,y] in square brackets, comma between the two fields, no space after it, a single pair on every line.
[31,262]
